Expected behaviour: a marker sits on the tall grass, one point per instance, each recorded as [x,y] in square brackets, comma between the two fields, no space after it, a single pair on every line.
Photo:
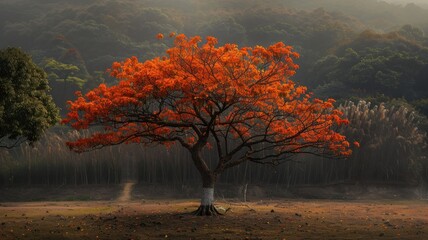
[393,147]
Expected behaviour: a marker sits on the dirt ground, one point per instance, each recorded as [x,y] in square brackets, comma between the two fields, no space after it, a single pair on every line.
[163,219]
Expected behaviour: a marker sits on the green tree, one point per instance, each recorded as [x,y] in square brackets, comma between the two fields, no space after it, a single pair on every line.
[62,72]
[63,79]
[371,72]
[26,108]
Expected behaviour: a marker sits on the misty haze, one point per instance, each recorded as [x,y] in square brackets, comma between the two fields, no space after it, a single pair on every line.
[205,119]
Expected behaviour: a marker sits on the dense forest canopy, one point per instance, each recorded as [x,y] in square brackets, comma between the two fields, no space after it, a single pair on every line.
[89,36]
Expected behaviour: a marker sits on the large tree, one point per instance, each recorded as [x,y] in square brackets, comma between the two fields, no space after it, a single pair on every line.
[238,102]
[26,108]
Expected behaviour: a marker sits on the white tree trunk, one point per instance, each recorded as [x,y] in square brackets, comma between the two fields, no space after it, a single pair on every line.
[207,197]
[207,204]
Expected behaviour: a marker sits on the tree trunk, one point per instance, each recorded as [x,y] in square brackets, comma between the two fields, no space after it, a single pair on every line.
[208,181]
[207,207]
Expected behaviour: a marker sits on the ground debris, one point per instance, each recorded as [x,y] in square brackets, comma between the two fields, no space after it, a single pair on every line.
[323,219]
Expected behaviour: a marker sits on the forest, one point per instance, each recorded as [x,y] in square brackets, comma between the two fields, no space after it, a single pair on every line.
[119,118]
[372,58]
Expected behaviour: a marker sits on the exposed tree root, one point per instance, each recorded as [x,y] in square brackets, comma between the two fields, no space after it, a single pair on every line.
[206,210]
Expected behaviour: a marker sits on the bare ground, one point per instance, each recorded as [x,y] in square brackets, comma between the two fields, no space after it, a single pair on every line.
[162,219]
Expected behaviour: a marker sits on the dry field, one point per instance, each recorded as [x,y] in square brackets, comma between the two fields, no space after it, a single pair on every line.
[163,219]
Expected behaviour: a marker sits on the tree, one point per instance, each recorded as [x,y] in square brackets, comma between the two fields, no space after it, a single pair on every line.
[373,71]
[64,80]
[236,102]
[26,108]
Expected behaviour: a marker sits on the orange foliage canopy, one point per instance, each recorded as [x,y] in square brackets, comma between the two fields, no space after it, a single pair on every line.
[241,101]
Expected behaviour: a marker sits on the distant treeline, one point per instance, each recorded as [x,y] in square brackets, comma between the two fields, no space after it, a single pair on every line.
[392,151]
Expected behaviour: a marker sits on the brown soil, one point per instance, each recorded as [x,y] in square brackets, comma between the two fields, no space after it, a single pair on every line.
[161,219]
